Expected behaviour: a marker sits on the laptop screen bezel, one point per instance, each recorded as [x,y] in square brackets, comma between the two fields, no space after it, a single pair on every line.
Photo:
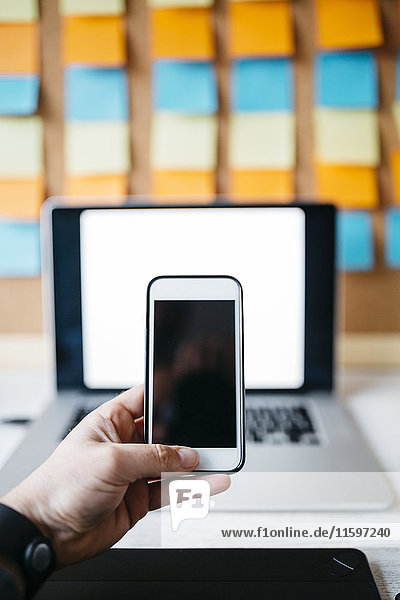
[61,243]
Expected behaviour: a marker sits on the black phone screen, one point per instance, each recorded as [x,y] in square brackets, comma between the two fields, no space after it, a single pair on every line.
[194,373]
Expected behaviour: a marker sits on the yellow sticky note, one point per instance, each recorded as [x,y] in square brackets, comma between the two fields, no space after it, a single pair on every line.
[21,147]
[18,11]
[21,198]
[347,137]
[181,3]
[108,185]
[262,140]
[259,28]
[19,49]
[347,186]
[92,7]
[97,147]
[263,185]
[348,24]
[183,142]
[183,183]
[94,40]
[395,164]
[181,33]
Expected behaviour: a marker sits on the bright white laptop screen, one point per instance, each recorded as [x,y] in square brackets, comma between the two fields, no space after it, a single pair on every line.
[122,250]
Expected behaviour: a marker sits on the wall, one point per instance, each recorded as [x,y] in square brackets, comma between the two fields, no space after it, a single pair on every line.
[370,302]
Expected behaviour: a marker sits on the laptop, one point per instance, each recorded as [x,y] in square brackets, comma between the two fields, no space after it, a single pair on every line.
[303,451]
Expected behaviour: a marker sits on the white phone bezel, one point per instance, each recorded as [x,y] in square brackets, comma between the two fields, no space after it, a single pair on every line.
[200,288]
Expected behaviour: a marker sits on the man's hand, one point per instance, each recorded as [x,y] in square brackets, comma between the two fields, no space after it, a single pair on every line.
[94,487]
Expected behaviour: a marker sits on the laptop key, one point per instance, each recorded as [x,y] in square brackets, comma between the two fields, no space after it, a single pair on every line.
[281,425]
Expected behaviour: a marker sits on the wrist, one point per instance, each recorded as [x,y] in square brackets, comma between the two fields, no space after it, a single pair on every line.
[26,553]
[31,509]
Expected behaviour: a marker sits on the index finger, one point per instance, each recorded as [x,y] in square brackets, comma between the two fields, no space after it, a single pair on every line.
[118,420]
[128,405]
[132,400]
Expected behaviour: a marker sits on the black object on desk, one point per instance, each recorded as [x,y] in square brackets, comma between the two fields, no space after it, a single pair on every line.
[15,421]
[230,574]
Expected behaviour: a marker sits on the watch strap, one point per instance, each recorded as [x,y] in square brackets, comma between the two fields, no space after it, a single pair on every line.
[24,543]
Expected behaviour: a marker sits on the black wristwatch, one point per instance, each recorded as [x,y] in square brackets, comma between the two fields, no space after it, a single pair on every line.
[24,543]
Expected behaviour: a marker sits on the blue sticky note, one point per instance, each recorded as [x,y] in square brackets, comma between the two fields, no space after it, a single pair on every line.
[392,238]
[19,249]
[355,241]
[262,84]
[93,94]
[346,79]
[185,86]
[19,94]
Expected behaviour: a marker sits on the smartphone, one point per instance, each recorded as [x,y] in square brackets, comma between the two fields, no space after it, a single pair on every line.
[194,390]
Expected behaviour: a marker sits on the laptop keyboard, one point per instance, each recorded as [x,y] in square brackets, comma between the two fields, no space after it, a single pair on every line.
[276,425]
[77,418]
[281,424]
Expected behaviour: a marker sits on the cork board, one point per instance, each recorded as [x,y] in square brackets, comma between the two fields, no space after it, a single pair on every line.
[369,302]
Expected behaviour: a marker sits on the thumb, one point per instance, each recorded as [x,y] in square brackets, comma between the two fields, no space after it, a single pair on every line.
[137,461]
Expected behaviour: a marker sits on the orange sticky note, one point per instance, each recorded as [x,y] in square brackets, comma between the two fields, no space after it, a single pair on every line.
[181,33]
[347,186]
[395,162]
[348,24]
[108,185]
[94,40]
[184,184]
[259,28]
[21,198]
[19,48]
[263,185]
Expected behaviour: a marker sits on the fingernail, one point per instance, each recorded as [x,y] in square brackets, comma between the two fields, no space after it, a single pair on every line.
[188,457]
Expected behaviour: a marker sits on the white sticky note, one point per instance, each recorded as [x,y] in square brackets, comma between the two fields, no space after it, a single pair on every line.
[97,147]
[92,7]
[183,141]
[347,136]
[262,140]
[18,11]
[21,147]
